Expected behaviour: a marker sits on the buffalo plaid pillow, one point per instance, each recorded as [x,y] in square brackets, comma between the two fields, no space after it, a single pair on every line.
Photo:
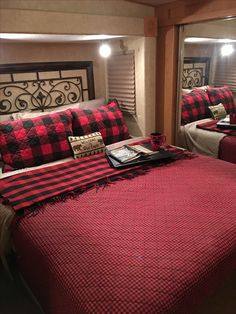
[194,106]
[222,95]
[108,120]
[32,142]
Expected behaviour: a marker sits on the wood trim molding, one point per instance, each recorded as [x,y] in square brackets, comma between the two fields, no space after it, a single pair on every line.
[189,11]
[150,26]
[166,81]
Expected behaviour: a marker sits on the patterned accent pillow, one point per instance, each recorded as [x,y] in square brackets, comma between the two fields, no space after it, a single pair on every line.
[87,145]
[32,142]
[222,95]
[218,111]
[108,120]
[194,106]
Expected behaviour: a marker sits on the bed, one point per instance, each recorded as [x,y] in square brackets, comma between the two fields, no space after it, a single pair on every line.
[198,131]
[89,238]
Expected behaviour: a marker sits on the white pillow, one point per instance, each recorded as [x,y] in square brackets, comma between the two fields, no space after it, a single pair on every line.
[90,104]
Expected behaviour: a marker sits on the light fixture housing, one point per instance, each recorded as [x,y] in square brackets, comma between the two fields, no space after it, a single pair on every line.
[105,50]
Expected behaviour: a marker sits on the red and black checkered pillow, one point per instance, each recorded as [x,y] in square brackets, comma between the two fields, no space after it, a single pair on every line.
[194,106]
[222,95]
[108,120]
[32,142]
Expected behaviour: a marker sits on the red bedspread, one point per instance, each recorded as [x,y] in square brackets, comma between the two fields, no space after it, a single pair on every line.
[227,149]
[227,146]
[154,244]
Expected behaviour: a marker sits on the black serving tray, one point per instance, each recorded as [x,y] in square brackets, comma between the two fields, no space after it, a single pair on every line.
[225,125]
[160,156]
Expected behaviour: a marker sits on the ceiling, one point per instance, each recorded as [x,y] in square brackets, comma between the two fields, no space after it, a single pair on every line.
[153,3]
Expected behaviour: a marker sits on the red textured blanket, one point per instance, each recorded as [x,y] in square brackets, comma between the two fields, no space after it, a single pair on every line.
[212,126]
[32,189]
[154,244]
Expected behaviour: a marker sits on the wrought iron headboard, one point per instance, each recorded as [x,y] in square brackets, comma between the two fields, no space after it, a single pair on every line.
[42,86]
[195,72]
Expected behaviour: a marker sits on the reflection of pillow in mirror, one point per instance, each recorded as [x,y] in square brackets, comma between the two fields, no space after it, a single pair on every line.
[194,106]
[222,95]
[186,91]
[204,88]
[87,145]
[218,111]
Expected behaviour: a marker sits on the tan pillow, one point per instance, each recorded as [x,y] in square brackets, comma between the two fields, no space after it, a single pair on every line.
[218,111]
[90,104]
[87,145]
[5,117]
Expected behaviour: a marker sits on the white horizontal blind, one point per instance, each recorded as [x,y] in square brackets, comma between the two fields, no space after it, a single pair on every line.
[225,72]
[121,81]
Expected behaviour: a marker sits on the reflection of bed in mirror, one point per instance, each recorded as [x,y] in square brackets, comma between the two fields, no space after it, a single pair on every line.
[208,79]
[199,132]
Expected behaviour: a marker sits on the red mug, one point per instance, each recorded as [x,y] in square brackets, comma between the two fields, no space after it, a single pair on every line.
[232,118]
[157,140]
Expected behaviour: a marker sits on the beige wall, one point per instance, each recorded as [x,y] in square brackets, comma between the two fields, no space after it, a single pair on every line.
[198,50]
[97,7]
[144,122]
[39,52]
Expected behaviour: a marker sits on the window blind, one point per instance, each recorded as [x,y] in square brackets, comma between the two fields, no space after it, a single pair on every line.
[225,72]
[121,81]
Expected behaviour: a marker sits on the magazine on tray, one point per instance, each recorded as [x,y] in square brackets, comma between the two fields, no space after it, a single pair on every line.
[128,153]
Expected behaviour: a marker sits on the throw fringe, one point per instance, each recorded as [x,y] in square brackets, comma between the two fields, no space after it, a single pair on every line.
[102,184]
[63,197]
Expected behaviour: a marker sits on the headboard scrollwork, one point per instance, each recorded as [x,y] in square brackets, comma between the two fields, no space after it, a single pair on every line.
[42,86]
[195,72]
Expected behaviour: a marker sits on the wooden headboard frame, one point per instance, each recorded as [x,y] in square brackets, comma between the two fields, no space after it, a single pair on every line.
[47,92]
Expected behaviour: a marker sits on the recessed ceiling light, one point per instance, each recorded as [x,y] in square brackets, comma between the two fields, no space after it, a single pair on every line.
[227,50]
[105,50]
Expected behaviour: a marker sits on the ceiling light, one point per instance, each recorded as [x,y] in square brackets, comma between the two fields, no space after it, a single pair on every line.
[226,40]
[105,50]
[15,36]
[55,37]
[226,50]
[197,39]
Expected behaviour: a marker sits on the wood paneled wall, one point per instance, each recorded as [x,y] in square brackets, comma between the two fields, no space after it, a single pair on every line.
[169,17]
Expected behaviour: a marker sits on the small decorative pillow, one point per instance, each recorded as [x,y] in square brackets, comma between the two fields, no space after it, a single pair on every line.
[32,142]
[194,106]
[222,95]
[108,120]
[218,111]
[87,145]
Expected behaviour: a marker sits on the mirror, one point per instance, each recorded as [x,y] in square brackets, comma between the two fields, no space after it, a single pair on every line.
[209,54]
[208,58]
